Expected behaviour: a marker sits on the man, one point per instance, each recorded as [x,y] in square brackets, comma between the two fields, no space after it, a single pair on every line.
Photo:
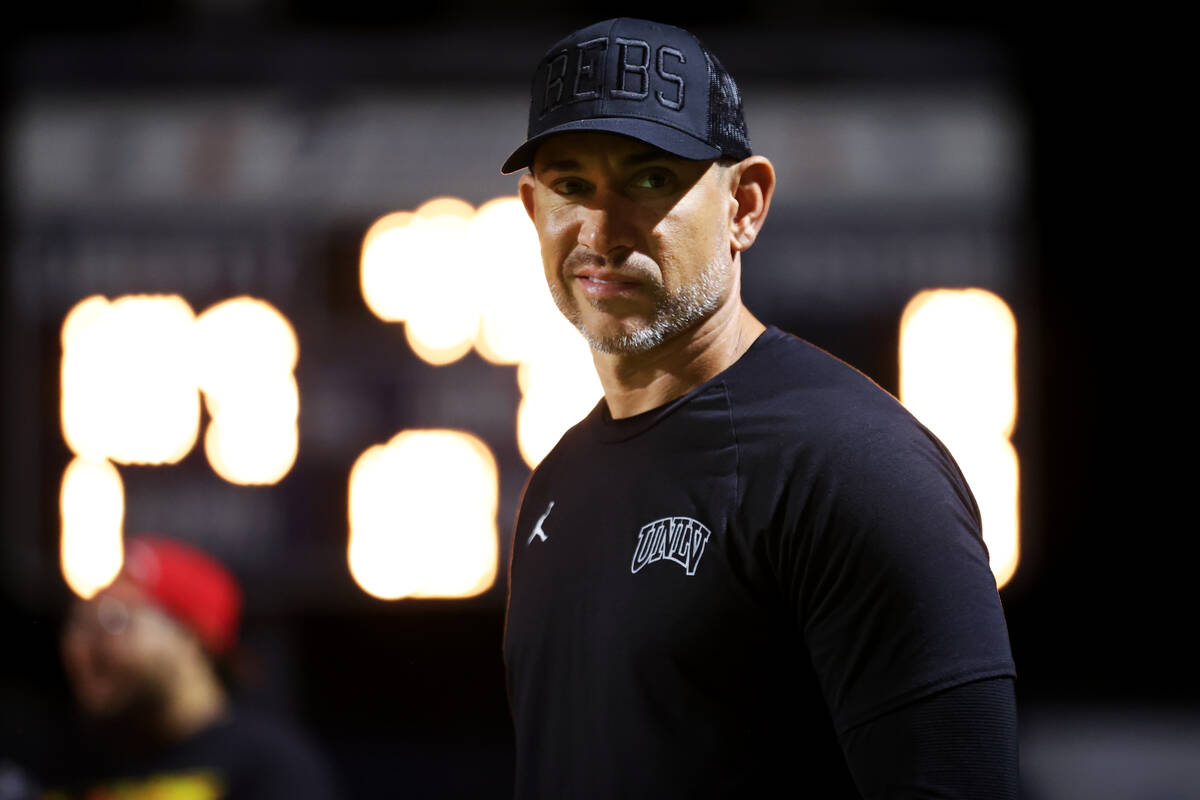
[144,658]
[749,569]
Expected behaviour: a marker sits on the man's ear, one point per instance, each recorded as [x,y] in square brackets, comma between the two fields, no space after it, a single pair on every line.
[525,188]
[753,183]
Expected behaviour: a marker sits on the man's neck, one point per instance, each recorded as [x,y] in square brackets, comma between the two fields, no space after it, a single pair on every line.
[638,382]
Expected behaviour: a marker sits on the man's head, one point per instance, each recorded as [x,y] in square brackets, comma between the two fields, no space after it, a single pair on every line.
[642,185]
[166,619]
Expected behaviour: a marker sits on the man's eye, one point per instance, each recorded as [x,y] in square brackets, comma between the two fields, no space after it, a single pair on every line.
[652,180]
[569,186]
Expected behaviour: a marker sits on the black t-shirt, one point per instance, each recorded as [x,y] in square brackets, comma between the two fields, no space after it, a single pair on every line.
[243,756]
[703,597]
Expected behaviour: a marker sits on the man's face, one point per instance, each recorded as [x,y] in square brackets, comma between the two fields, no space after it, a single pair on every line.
[119,651]
[635,241]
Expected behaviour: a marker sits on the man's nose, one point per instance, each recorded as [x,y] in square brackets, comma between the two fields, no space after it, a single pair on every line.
[608,226]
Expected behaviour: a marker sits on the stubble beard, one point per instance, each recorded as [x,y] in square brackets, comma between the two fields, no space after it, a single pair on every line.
[674,313]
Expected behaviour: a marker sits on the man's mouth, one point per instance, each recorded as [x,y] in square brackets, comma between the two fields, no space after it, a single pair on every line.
[608,281]
[606,284]
[607,277]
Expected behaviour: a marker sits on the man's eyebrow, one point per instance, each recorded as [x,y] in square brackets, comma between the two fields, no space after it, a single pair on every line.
[561,165]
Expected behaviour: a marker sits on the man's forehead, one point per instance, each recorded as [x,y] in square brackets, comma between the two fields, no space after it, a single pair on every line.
[579,149]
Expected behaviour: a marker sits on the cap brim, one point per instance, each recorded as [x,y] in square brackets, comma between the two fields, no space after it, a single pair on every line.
[664,137]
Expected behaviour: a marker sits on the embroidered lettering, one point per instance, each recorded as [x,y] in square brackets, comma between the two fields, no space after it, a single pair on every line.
[677,102]
[632,74]
[589,78]
[678,539]
[628,68]
[556,70]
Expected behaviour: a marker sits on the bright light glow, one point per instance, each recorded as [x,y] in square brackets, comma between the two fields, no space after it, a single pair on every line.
[131,374]
[132,370]
[441,207]
[458,278]
[992,469]
[958,376]
[559,387]
[92,505]
[445,282]
[242,451]
[423,516]
[958,361]
[247,352]
[418,269]
[128,387]
[516,311]
[383,269]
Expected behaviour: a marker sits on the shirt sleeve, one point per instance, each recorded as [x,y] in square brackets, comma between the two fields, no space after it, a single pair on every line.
[960,743]
[889,573]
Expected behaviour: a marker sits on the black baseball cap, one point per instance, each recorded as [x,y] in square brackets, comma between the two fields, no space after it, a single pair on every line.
[653,82]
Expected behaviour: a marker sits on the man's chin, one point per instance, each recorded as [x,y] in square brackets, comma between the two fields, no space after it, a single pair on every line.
[627,341]
[632,336]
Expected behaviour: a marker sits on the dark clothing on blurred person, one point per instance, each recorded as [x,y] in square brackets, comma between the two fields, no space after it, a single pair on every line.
[242,756]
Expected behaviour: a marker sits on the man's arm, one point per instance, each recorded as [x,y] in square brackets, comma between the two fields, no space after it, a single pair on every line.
[957,743]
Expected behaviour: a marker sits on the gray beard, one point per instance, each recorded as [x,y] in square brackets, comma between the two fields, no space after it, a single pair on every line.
[674,313]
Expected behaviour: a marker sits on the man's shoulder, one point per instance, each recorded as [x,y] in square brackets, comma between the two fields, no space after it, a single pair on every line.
[804,411]
[812,416]
[790,382]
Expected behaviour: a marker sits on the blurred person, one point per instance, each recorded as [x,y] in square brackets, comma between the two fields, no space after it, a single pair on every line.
[749,569]
[147,661]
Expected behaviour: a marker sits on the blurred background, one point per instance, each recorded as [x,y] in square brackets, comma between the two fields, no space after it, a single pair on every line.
[259,262]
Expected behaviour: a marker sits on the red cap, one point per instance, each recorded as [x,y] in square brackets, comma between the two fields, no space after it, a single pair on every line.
[189,585]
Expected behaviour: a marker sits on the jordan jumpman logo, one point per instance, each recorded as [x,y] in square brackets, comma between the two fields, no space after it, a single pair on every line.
[537,527]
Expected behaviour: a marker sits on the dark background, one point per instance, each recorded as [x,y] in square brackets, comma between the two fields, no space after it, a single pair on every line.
[412,692]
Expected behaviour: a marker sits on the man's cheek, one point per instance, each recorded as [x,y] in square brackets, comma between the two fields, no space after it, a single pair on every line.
[555,246]
[550,258]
